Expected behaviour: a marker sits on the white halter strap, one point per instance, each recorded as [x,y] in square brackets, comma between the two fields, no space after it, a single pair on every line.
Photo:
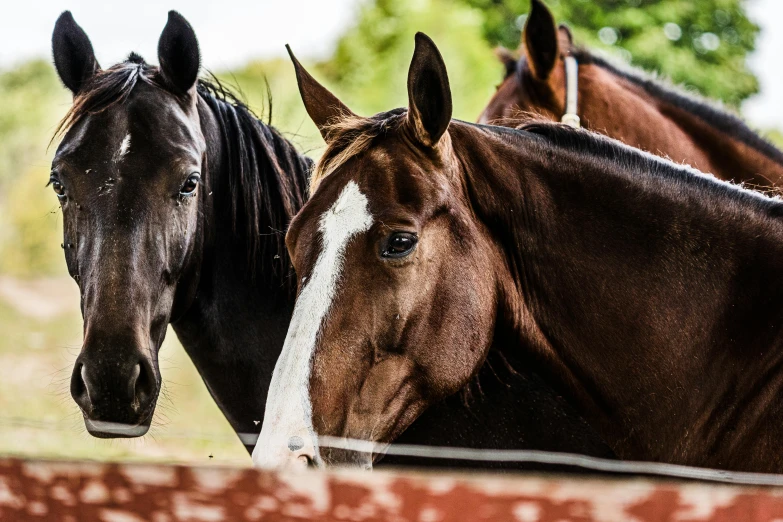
[571,118]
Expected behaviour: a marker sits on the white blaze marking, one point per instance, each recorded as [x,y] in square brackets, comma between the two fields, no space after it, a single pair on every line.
[288,409]
[124,147]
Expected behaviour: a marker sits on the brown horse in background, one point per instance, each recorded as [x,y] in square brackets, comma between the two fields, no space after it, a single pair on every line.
[649,293]
[629,106]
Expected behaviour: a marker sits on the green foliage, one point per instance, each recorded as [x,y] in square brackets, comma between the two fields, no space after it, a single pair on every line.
[32,227]
[702,44]
[775,136]
[369,68]
[285,111]
[31,102]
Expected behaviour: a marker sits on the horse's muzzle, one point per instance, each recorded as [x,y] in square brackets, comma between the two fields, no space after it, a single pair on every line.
[116,399]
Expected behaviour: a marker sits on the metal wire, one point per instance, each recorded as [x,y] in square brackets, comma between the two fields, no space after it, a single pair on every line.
[619,467]
[554,458]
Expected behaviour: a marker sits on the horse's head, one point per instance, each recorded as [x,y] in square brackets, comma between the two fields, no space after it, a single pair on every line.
[128,175]
[387,319]
[534,83]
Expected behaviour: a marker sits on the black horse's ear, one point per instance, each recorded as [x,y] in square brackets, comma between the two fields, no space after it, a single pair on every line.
[178,54]
[539,40]
[74,58]
[429,94]
[324,108]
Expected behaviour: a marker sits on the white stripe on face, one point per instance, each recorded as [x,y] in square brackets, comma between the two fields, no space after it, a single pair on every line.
[288,409]
[124,148]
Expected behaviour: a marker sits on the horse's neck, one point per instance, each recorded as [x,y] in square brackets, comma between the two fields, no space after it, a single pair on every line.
[234,328]
[662,127]
[233,333]
[659,313]
[507,405]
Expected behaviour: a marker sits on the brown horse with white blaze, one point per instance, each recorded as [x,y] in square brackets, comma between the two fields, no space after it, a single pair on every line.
[649,293]
[626,105]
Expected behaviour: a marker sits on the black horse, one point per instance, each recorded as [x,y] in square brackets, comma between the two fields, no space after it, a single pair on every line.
[174,196]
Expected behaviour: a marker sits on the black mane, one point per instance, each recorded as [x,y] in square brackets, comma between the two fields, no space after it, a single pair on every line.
[266,181]
[720,119]
[266,185]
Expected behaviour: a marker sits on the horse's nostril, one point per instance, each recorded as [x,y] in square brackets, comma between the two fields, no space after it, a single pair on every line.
[135,371]
[307,460]
[143,384]
[79,389]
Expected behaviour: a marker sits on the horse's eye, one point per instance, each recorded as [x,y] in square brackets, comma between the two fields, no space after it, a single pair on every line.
[58,187]
[190,185]
[400,244]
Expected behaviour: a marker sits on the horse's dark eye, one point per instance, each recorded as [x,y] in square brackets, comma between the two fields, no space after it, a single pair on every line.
[58,187]
[190,185]
[400,244]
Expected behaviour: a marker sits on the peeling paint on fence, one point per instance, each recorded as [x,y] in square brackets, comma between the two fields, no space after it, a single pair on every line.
[83,492]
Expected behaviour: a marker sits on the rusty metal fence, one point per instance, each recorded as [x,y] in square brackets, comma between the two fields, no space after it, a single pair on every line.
[79,491]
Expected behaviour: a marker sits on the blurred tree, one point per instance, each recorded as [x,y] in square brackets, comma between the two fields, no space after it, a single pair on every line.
[701,45]
[30,232]
[285,110]
[32,101]
[32,228]
[370,64]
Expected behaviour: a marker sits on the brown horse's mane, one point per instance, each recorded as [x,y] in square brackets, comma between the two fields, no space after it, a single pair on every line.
[710,112]
[352,135]
[267,181]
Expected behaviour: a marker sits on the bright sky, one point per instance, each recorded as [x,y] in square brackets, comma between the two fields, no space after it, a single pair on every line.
[766,108]
[231,32]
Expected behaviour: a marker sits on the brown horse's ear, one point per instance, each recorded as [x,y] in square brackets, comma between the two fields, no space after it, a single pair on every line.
[323,107]
[565,38]
[429,94]
[74,58]
[508,59]
[539,40]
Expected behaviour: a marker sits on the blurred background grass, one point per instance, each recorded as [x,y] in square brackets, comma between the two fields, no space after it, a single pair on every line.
[703,45]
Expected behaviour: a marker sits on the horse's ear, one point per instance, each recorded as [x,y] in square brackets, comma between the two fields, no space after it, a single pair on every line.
[539,40]
[323,107]
[178,54]
[565,38]
[429,94]
[508,59]
[74,58]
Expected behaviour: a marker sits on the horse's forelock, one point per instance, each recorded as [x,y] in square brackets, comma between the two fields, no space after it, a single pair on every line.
[106,88]
[349,137]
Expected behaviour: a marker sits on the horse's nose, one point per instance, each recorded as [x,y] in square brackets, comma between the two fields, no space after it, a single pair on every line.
[302,454]
[118,393]
[281,451]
